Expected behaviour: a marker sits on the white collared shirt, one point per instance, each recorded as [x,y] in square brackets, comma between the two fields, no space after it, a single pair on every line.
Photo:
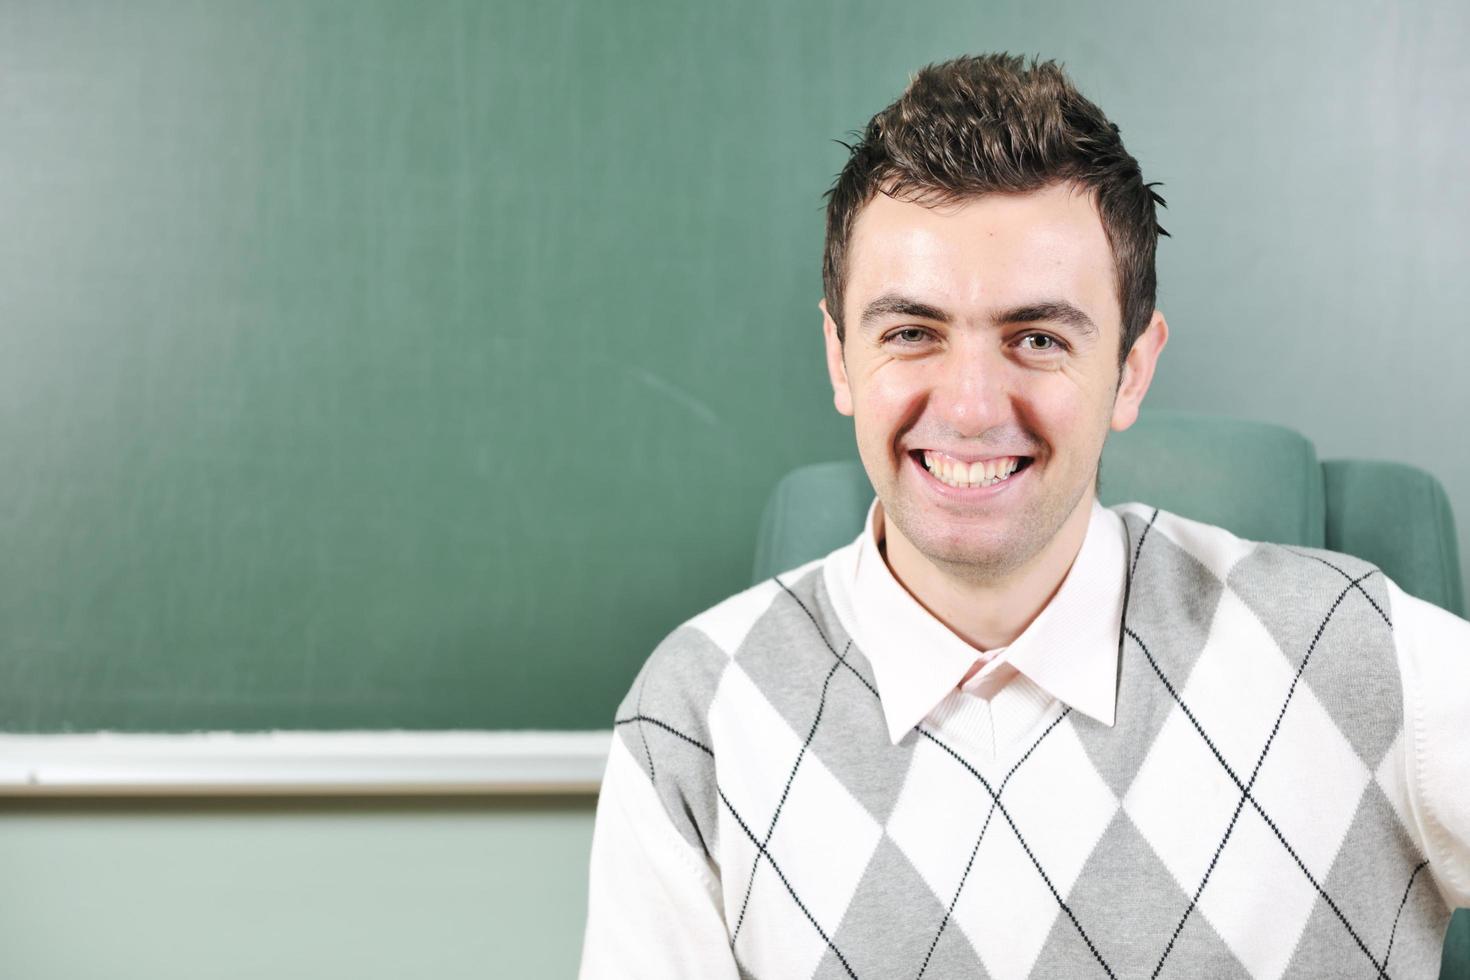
[1069,652]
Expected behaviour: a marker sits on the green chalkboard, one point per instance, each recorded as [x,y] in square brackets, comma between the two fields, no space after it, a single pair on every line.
[389,365]
[386,364]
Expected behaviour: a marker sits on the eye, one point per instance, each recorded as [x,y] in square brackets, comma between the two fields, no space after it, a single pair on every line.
[1041,343]
[909,336]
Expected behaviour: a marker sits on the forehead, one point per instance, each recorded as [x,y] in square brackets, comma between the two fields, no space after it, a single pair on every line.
[985,253]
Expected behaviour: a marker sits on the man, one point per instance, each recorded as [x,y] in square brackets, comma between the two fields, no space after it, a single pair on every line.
[1007,731]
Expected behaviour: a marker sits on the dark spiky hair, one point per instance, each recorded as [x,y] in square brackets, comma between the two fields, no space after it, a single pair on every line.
[991,123]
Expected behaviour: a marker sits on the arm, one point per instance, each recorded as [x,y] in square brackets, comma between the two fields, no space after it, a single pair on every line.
[1434,662]
[654,908]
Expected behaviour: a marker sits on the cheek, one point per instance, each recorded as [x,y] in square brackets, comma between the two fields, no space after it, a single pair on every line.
[887,400]
[1066,411]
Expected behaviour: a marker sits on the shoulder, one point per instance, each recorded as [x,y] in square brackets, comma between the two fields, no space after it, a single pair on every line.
[682,675]
[1291,570]
[1293,597]
[1425,623]
[1433,647]
[668,719]
[708,641]
[1231,558]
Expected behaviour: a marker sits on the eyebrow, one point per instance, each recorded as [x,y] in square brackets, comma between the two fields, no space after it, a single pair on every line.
[1047,311]
[1051,311]
[892,304]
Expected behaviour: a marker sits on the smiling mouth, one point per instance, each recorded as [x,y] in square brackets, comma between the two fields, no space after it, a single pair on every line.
[962,475]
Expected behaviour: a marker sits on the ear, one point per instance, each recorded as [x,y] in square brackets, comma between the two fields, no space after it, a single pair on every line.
[1138,372]
[836,368]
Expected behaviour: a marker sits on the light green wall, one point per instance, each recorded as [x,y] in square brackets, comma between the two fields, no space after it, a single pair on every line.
[301,890]
[351,889]
[1314,158]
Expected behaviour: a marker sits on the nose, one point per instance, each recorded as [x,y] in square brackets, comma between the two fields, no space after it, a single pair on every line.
[970,394]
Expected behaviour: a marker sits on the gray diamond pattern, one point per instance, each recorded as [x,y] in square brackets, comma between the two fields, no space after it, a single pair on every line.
[1361,666]
[872,946]
[850,738]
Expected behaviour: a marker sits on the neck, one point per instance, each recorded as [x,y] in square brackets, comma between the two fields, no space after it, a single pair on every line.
[992,614]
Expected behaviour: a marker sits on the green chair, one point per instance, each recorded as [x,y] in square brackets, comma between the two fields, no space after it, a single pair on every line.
[1263,482]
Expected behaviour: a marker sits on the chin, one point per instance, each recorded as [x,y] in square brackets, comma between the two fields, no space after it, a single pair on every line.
[975,558]
[964,550]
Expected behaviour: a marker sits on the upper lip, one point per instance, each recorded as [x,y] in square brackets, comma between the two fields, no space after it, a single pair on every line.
[969,457]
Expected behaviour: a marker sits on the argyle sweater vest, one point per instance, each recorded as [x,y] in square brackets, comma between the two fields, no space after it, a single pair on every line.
[1245,816]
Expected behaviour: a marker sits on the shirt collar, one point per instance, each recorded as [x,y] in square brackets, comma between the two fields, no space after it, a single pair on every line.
[1070,649]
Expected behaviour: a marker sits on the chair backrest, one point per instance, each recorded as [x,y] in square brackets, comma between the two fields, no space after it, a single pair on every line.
[1263,482]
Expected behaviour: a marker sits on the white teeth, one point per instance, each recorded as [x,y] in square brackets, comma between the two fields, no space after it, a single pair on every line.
[982,473]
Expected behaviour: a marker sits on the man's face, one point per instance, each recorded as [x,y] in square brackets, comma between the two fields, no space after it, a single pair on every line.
[982,337]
